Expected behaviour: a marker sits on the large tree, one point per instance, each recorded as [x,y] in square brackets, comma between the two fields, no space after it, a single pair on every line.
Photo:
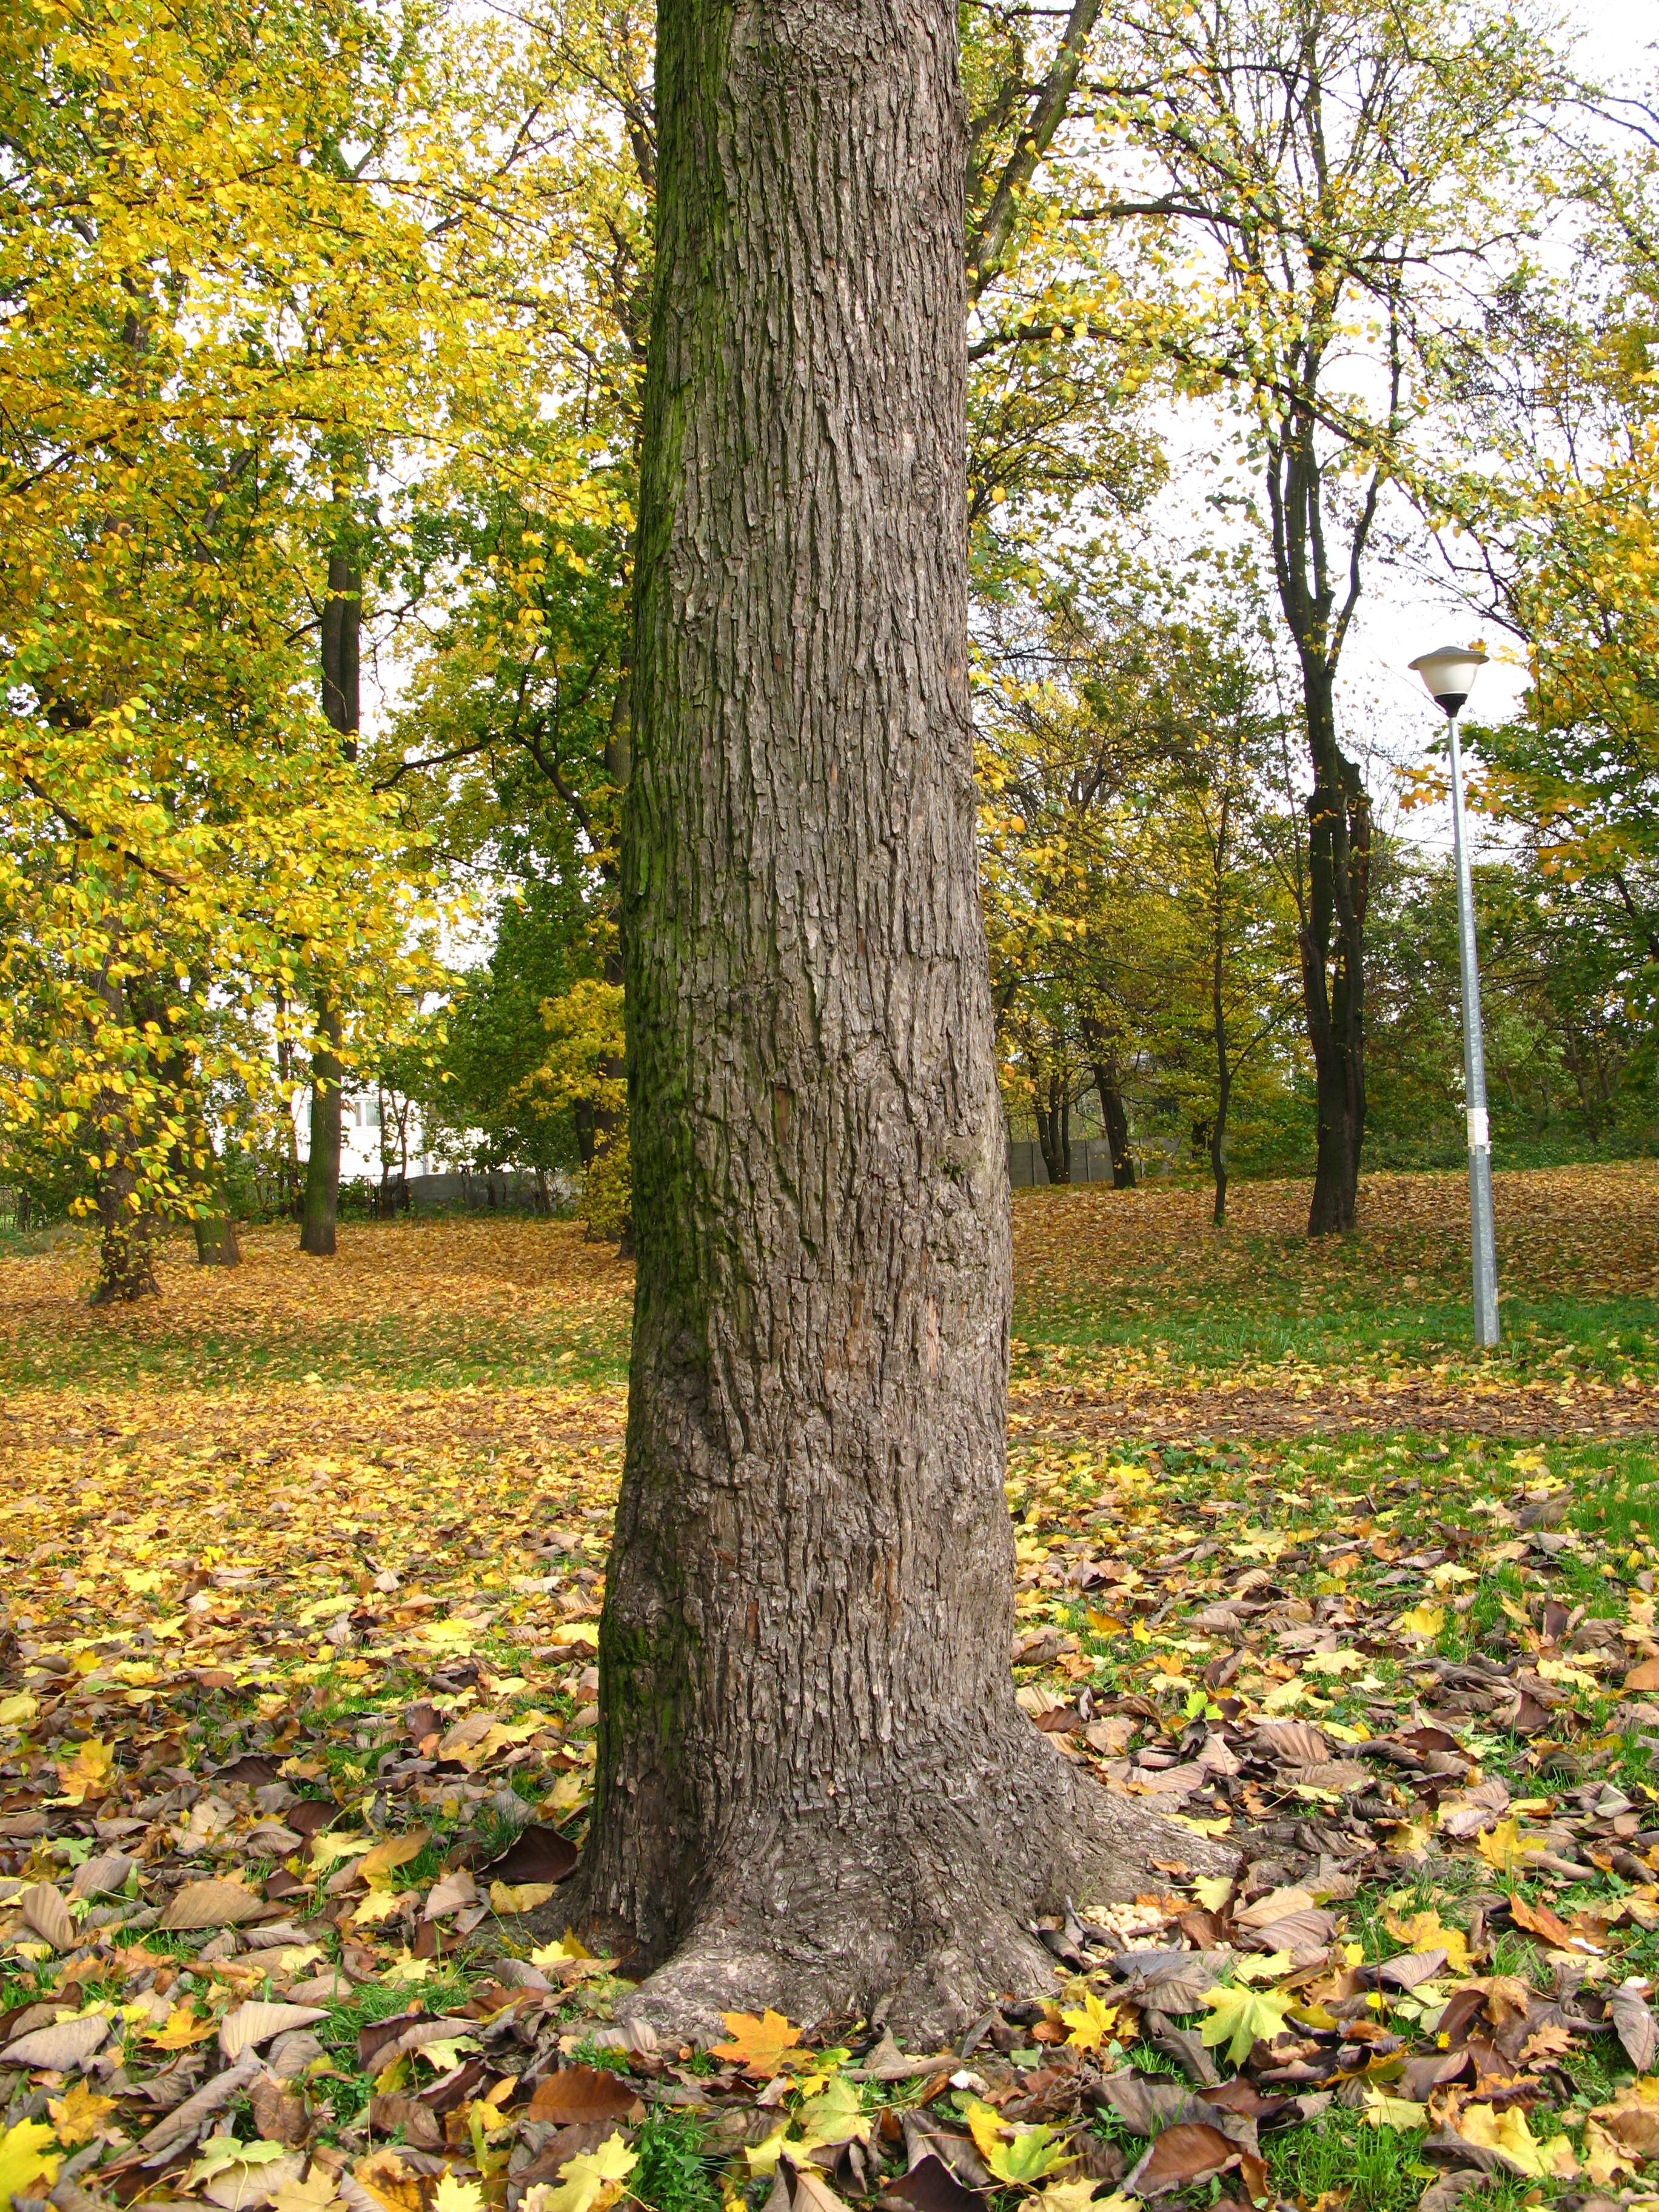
[814,1783]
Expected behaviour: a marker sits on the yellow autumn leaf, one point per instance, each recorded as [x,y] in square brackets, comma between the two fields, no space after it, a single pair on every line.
[520,1897]
[454,2195]
[181,2029]
[1423,1620]
[1091,2023]
[1425,1931]
[86,1774]
[587,2182]
[18,1711]
[75,2115]
[1382,2111]
[1502,1847]
[1508,2134]
[757,2045]
[25,2158]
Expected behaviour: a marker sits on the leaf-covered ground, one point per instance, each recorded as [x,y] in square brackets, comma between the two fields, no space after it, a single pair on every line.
[303,1570]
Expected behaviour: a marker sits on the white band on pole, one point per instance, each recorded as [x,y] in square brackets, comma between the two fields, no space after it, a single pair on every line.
[1479,1138]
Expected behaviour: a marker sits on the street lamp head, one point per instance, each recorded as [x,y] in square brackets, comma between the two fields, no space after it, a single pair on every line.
[1449,673]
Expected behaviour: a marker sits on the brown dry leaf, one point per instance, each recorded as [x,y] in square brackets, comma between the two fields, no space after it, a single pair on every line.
[1539,1920]
[419,2122]
[255,2023]
[48,1914]
[811,2191]
[211,1904]
[60,2046]
[583,2093]
[1190,2151]
[1634,2024]
[279,2111]
[1278,1905]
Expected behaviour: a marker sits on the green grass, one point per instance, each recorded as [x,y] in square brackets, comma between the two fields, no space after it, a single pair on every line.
[673,2173]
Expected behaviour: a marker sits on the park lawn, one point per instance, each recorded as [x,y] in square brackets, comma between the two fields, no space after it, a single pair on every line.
[338,1533]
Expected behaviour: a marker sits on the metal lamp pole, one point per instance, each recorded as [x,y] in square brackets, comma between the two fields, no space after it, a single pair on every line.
[1447,676]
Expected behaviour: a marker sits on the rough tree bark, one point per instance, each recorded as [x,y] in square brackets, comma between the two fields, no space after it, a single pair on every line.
[341,624]
[815,1788]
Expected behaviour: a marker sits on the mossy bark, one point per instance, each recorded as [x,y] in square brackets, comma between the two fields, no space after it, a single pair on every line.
[815,1788]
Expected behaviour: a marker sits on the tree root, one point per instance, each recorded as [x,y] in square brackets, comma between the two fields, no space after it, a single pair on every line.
[916,1914]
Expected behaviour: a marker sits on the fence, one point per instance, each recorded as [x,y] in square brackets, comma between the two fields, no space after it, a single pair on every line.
[1091,1162]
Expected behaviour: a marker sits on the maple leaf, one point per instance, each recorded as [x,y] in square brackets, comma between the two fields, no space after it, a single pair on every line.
[1424,1619]
[25,2158]
[1091,2023]
[1244,2015]
[75,2115]
[1018,2156]
[1508,2135]
[1502,1847]
[1425,1931]
[757,2045]
[222,2153]
[453,2195]
[1382,2111]
[587,2182]
[182,2029]
[319,2189]
[87,1775]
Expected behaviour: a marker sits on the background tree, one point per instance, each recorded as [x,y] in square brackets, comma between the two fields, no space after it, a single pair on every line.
[1309,187]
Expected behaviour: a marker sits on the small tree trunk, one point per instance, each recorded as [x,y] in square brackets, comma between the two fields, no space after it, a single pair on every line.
[1113,1114]
[1224,1073]
[815,1789]
[1332,968]
[322,1196]
[341,624]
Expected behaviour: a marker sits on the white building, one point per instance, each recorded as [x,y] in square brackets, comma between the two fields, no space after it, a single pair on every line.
[360,1139]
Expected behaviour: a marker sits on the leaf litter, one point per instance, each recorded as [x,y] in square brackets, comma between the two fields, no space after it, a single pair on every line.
[296,1713]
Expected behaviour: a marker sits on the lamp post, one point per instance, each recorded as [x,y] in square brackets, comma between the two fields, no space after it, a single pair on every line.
[1447,676]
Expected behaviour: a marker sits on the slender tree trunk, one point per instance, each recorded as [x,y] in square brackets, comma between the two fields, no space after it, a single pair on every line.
[342,624]
[1053,1123]
[1116,1119]
[814,1788]
[1224,1092]
[322,1193]
[1224,1073]
[1332,964]
[126,1269]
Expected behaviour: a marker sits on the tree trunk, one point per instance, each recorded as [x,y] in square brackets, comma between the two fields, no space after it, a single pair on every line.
[1053,1128]
[1112,1113]
[814,1787]
[1224,1078]
[125,1271]
[322,1196]
[216,1245]
[342,624]
[1332,964]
